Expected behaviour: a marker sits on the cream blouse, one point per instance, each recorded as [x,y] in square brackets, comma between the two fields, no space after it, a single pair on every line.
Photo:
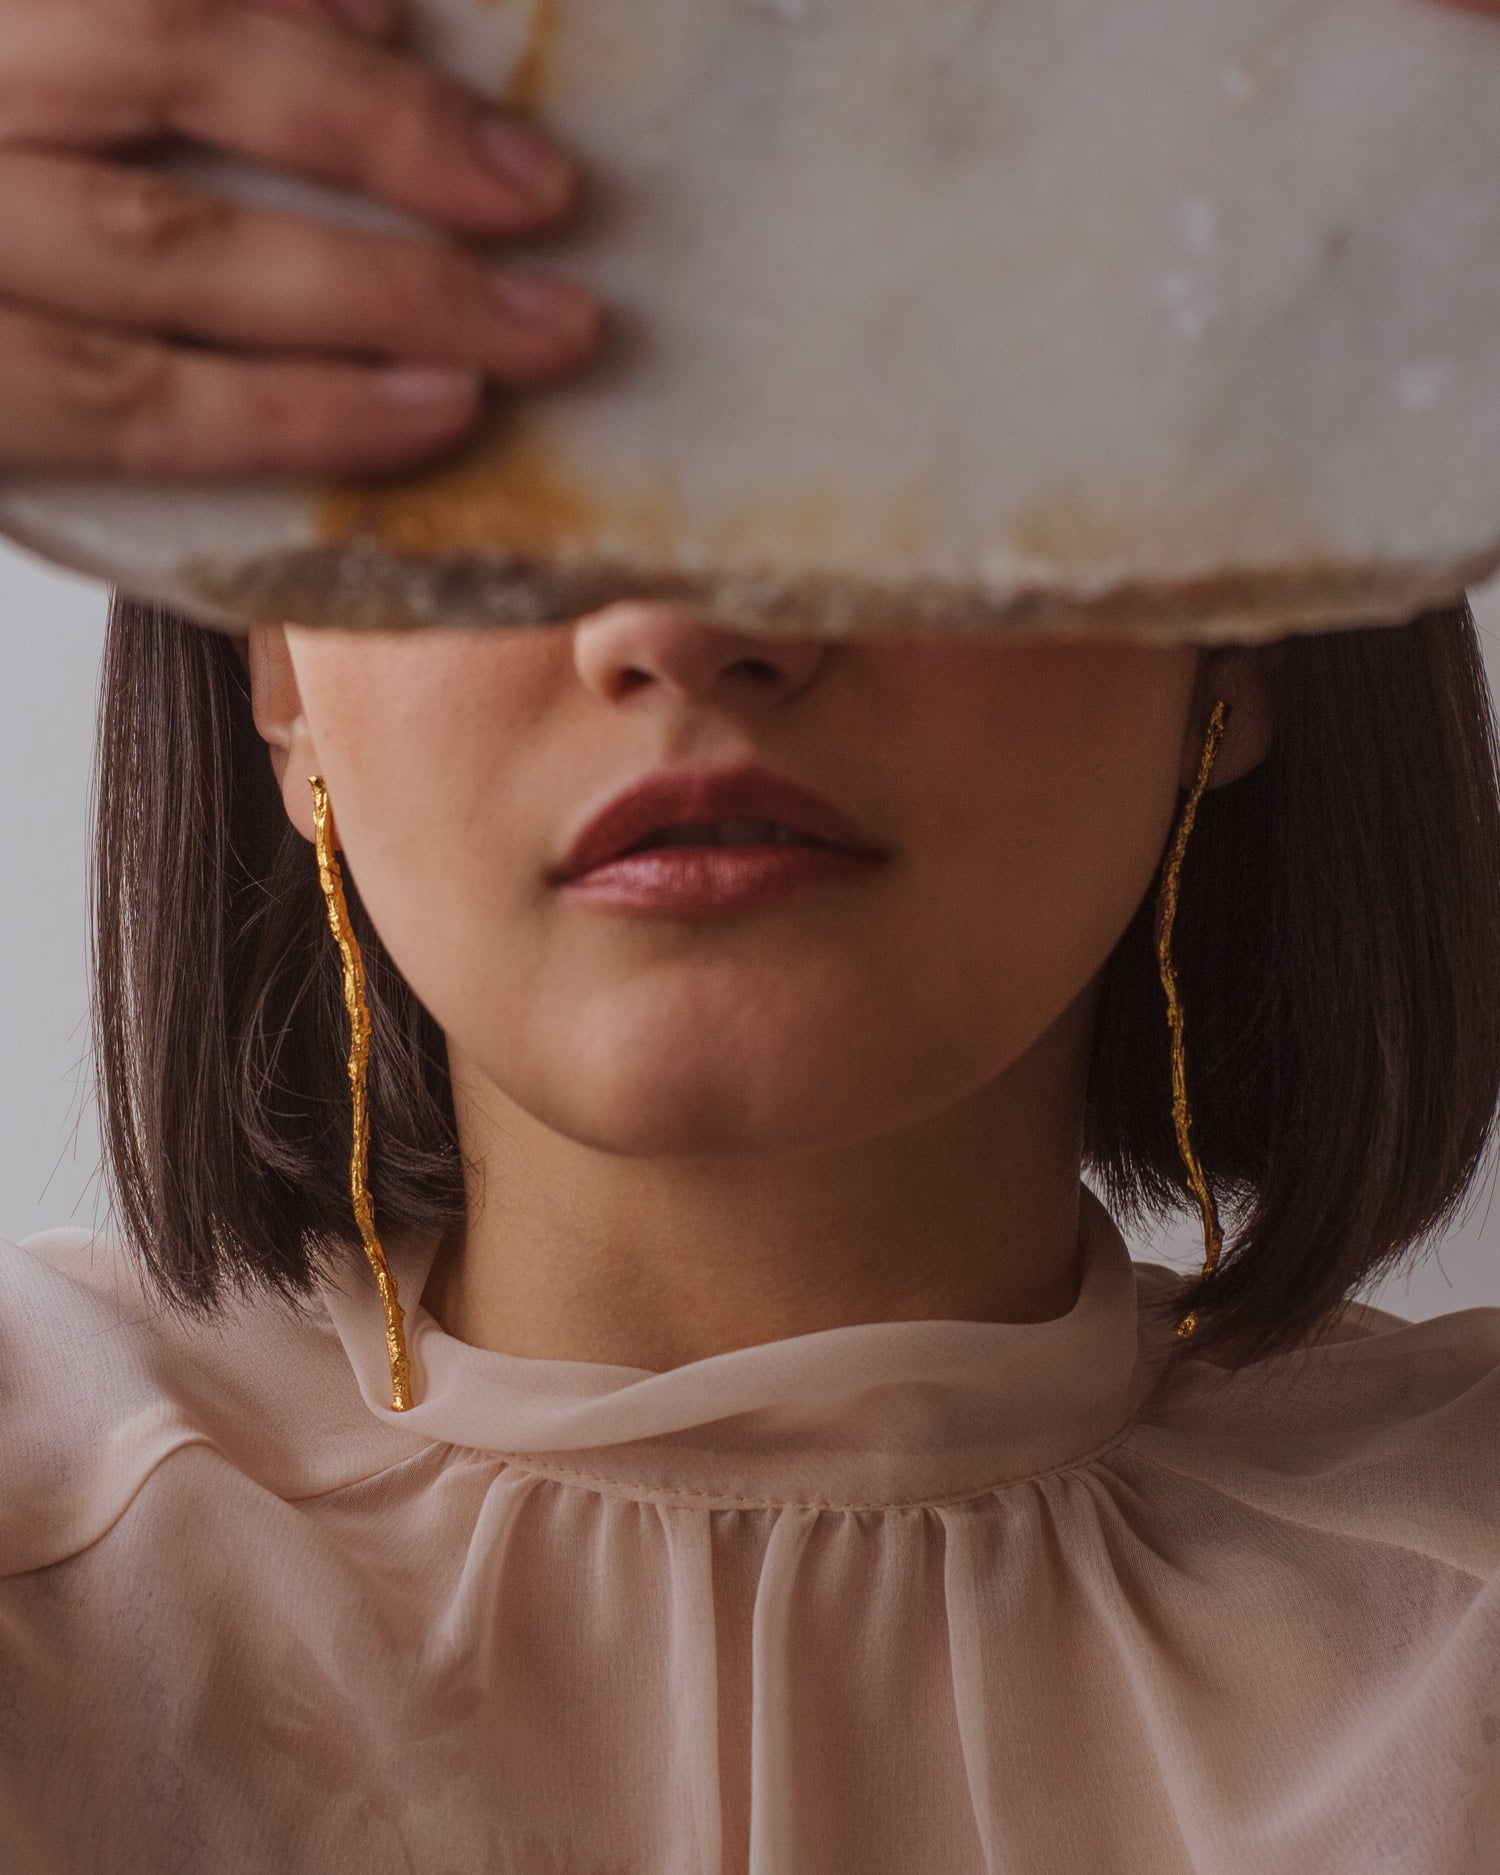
[903,1598]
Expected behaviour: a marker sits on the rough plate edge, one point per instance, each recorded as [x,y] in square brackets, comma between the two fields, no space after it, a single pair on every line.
[363,586]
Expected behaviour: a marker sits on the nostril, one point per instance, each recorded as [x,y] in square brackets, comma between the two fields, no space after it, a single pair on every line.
[759,670]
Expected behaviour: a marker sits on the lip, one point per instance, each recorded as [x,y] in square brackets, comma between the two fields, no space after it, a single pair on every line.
[692,797]
[713,881]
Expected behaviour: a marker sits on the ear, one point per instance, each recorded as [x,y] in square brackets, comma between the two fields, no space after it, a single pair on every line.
[276,703]
[1237,675]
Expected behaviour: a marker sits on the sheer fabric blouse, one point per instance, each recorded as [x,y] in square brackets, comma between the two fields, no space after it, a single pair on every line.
[957,1597]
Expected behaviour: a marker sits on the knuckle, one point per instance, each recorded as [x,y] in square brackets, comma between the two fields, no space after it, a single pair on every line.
[348,283]
[110,374]
[403,126]
[287,408]
[150,216]
[430,290]
[121,385]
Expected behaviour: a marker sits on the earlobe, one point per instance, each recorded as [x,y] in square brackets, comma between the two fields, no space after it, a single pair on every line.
[1238,677]
[276,703]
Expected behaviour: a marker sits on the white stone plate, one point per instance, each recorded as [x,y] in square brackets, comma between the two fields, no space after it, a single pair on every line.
[1175,317]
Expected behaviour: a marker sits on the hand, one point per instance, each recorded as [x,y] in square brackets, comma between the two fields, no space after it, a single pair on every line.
[149,328]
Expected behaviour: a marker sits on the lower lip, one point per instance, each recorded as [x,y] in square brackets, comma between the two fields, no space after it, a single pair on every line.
[698,881]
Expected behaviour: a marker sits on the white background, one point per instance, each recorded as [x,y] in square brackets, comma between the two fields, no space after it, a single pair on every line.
[51,631]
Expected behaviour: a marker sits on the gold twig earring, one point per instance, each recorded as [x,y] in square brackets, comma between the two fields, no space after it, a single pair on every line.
[1166,917]
[331,880]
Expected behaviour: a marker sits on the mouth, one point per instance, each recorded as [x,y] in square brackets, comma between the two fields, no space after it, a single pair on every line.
[743,806]
[696,841]
[724,833]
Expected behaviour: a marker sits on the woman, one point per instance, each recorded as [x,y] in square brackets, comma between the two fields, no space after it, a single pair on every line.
[766,1456]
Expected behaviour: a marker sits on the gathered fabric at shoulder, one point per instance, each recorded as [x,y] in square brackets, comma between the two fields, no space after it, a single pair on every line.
[100,1382]
[1389,1432]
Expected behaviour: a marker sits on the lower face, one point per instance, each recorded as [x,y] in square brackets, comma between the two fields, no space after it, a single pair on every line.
[1021,795]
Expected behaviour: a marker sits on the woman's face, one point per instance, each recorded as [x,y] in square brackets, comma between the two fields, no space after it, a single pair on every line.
[1022,795]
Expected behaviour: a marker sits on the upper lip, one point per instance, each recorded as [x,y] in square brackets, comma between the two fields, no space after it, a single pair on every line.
[700,797]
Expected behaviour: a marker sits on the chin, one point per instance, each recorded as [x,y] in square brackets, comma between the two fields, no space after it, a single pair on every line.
[703,1100]
[679,1114]
[704,1076]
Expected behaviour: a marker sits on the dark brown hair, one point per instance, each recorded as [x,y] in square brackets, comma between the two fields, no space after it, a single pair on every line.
[1338,948]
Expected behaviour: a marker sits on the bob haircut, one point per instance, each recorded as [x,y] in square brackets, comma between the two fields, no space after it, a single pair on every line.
[1337,945]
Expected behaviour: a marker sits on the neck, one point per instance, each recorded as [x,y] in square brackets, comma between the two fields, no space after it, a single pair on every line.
[569,1252]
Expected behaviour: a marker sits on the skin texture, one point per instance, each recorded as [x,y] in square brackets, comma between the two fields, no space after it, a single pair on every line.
[332,349]
[861,1103]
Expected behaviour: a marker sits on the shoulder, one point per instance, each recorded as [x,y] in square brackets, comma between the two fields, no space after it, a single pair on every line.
[1384,1430]
[101,1383]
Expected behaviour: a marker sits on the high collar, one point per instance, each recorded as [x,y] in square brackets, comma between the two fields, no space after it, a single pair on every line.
[877,1414]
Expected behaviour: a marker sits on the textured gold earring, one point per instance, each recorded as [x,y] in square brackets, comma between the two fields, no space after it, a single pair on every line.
[1166,917]
[331,880]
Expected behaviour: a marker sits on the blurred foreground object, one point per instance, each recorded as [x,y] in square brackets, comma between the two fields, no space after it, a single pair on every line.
[1139,315]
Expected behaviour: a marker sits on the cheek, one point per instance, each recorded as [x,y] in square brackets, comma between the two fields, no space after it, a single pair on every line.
[1048,794]
[422,741]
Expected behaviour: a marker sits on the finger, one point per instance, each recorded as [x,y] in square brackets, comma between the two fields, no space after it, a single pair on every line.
[287,93]
[346,111]
[135,247]
[88,400]
[380,19]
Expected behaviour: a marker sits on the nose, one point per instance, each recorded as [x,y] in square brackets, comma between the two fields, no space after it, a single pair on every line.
[625,647]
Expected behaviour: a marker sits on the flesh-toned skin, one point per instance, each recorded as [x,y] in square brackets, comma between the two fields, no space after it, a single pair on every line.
[333,349]
[861,1102]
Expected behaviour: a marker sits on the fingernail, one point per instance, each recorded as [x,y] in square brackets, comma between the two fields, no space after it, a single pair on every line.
[434,386]
[527,160]
[544,300]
